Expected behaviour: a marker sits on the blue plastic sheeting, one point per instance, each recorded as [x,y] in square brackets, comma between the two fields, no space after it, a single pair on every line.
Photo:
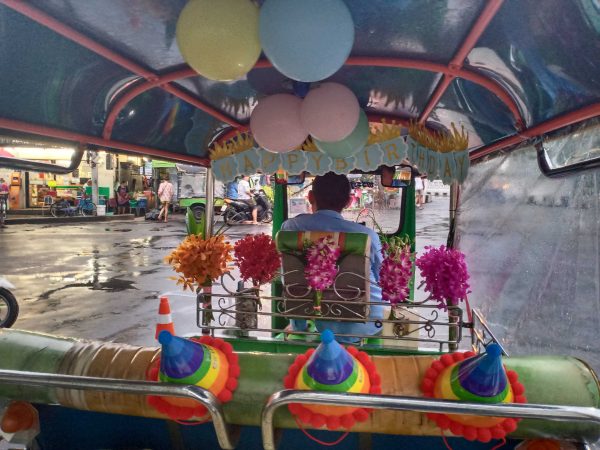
[532,245]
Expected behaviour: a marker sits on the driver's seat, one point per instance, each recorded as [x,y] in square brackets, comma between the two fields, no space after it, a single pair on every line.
[348,298]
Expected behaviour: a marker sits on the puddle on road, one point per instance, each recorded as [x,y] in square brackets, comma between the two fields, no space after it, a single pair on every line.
[110,285]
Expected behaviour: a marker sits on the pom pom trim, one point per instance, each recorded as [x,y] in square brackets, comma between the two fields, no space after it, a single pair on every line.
[471,433]
[186,413]
[333,423]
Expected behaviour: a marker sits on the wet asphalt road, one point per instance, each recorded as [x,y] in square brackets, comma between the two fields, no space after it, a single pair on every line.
[102,280]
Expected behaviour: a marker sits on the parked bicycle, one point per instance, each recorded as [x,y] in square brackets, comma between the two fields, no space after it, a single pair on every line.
[63,208]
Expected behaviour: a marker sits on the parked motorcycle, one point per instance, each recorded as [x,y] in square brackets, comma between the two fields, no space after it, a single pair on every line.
[9,308]
[237,211]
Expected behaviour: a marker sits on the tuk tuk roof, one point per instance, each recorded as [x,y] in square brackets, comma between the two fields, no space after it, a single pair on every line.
[109,73]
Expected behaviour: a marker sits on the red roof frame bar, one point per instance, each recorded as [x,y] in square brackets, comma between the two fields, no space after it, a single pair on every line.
[556,123]
[85,41]
[401,63]
[428,66]
[457,62]
[26,127]
[153,80]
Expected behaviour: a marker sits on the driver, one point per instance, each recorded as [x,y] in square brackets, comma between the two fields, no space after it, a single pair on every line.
[245,194]
[330,194]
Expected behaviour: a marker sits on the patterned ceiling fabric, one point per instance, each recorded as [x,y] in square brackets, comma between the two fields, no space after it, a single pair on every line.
[142,30]
[160,120]
[546,58]
[477,109]
[48,80]
[545,54]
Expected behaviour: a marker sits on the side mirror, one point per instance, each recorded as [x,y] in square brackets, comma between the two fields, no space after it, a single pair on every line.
[396,177]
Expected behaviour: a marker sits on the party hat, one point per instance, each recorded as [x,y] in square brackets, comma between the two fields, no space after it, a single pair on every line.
[474,378]
[332,368]
[481,378]
[187,362]
[206,362]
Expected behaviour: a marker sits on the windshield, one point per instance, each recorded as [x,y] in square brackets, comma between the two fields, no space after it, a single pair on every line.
[371,204]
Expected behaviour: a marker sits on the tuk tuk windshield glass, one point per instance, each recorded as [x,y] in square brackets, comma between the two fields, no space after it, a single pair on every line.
[371,204]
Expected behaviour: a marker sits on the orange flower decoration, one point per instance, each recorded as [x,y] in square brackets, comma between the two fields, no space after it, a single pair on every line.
[200,260]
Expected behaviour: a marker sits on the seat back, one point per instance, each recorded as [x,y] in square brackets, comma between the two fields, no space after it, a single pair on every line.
[352,283]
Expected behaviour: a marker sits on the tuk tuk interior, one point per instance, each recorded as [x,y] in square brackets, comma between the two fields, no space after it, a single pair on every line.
[521,78]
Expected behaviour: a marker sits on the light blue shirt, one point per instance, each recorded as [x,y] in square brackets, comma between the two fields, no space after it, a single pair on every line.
[328,220]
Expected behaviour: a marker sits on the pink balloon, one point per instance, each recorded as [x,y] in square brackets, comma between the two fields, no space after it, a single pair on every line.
[276,125]
[330,112]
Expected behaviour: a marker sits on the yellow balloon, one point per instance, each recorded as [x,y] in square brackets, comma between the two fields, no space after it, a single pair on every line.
[219,38]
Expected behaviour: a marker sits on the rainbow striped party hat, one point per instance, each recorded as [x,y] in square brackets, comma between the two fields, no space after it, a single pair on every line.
[332,368]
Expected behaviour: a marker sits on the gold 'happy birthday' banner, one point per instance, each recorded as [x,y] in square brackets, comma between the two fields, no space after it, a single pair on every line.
[443,156]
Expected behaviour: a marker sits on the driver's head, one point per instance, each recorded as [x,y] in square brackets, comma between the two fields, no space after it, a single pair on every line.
[330,191]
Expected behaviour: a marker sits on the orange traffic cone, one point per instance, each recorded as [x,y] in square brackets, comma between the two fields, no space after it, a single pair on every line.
[165,322]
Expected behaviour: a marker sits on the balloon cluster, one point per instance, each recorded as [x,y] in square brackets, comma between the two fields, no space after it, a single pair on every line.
[330,113]
[306,41]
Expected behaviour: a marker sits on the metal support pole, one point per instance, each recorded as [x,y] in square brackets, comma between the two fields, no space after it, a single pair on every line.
[94,164]
[202,396]
[210,204]
[526,411]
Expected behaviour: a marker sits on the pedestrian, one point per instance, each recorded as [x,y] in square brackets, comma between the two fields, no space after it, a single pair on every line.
[83,189]
[122,198]
[419,190]
[4,189]
[165,194]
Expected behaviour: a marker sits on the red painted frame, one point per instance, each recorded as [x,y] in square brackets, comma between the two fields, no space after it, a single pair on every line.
[453,70]
[26,127]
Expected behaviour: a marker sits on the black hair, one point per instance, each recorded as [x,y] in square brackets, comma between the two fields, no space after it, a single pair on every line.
[331,191]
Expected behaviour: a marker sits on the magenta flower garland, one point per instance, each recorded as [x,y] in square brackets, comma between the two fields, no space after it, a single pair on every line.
[321,267]
[445,273]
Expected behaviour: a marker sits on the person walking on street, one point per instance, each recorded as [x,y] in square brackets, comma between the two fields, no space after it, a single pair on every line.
[122,197]
[419,190]
[165,194]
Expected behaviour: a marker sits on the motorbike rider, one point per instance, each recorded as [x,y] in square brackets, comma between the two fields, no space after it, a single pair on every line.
[246,195]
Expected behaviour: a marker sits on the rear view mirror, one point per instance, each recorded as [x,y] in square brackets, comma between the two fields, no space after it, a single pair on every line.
[396,177]
[281,177]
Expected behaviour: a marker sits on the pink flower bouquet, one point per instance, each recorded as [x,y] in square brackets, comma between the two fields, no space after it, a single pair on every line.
[321,267]
[396,271]
[444,271]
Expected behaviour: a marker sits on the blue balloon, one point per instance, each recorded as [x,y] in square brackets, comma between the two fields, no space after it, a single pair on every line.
[352,144]
[306,40]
